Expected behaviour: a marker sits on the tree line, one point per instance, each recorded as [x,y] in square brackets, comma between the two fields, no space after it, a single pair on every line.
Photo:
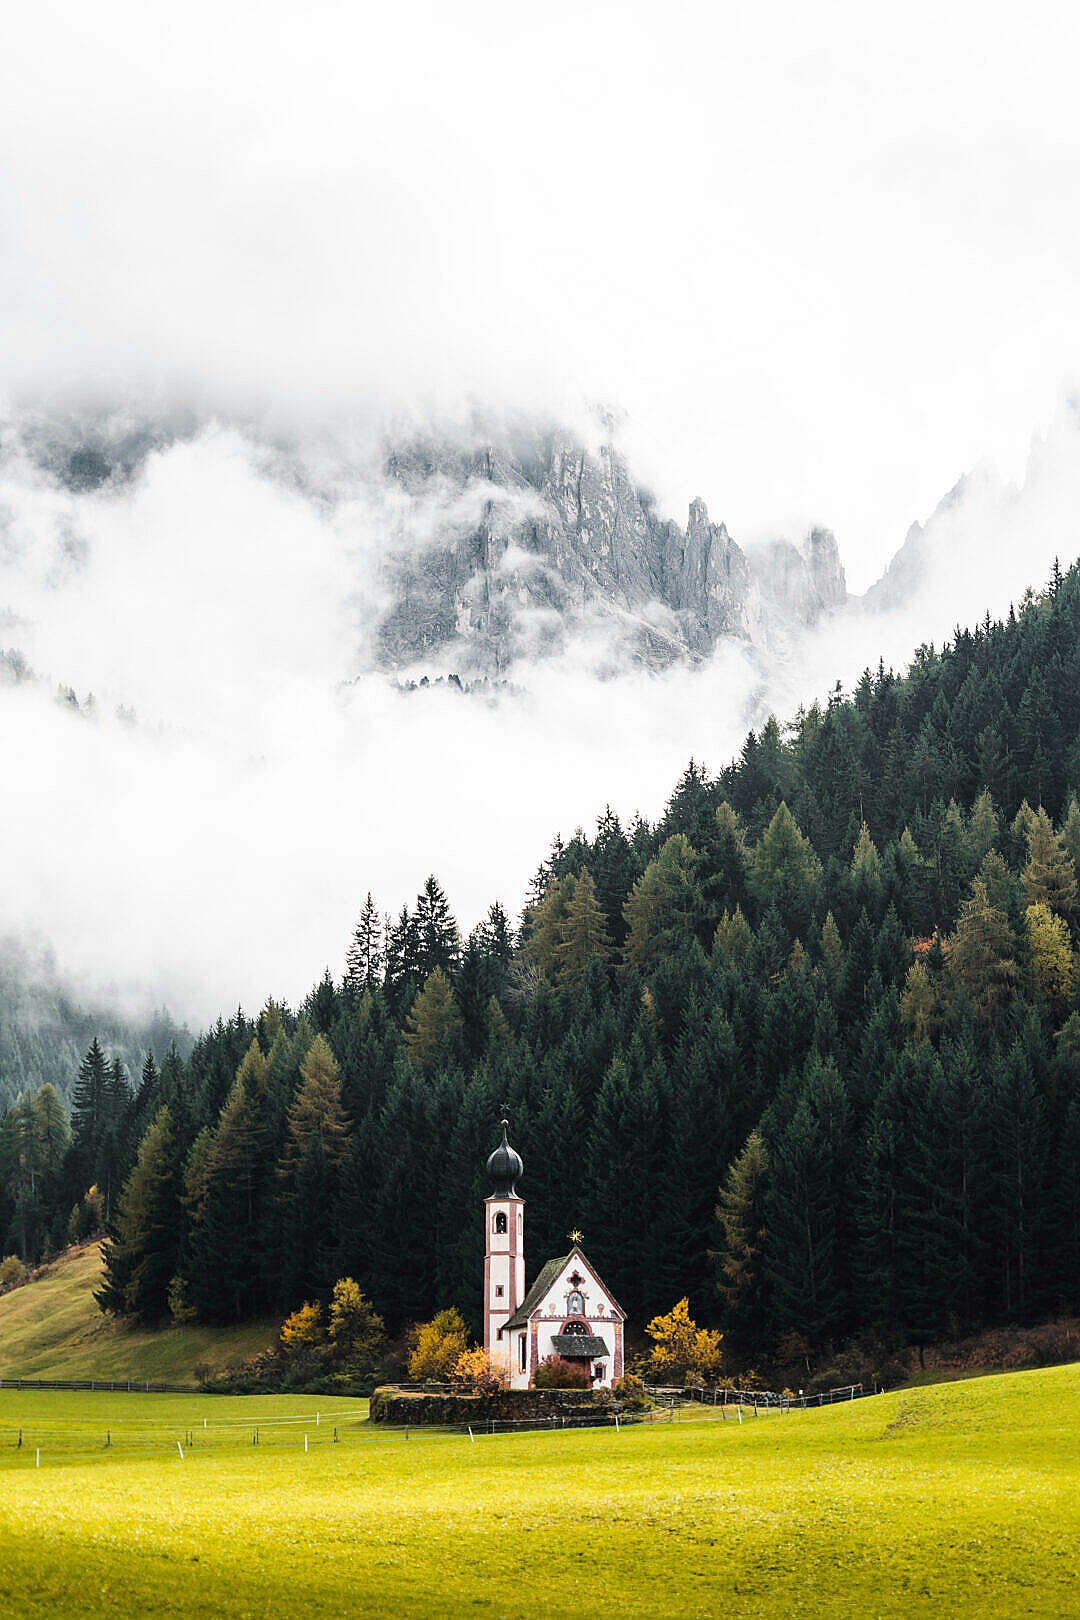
[806,1051]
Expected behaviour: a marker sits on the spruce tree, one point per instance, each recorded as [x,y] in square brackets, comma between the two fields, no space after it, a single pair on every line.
[740,1216]
[982,953]
[433,1026]
[143,1245]
[439,937]
[803,1210]
[89,1114]
[583,934]
[1049,877]
[364,958]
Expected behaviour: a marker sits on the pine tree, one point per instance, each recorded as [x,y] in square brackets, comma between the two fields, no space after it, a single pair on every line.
[919,1005]
[1050,960]
[583,935]
[866,869]
[433,1026]
[730,855]
[803,1209]
[1020,1156]
[316,1111]
[51,1138]
[439,938]
[89,1114]
[497,1030]
[612,866]
[983,829]
[665,906]
[741,1218]
[832,954]
[733,939]
[402,958]
[224,1269]
[143,1246]
[543,925]
[784,859]
[112,1150]
[1049,877]
[312,1177]
[1070,832]
[624,1220]
[364,958]
[981,957]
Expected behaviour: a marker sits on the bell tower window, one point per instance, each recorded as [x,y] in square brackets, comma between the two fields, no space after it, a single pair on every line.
[500,1221]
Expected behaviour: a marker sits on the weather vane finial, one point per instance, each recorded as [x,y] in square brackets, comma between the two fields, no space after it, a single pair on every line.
[505,1121]
[575,1236]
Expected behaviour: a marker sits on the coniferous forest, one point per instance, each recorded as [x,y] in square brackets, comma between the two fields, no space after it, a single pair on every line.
[807,1050]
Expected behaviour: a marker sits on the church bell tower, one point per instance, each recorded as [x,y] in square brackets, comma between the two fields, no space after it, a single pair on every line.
[504,1247]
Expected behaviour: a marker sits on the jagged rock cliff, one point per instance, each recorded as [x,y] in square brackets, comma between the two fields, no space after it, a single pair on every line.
[558,541]
[492,551]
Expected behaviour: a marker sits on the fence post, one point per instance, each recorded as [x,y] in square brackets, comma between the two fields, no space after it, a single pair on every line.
[472,1436]
[180,1449]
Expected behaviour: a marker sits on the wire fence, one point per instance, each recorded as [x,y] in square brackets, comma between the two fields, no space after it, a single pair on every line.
[130,1386]
[769,1400]
[38,1445]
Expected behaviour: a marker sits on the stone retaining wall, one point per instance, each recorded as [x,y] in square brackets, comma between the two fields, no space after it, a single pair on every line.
[392,1405]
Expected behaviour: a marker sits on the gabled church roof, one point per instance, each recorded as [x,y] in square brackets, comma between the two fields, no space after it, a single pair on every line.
[544,1280]
[545,1277]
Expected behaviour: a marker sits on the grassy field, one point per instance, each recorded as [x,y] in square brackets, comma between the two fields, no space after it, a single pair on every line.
[958,1499]
[53,1329]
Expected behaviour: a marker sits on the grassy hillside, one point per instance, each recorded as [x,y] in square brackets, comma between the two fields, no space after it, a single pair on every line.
[956,1500]
[53,1329]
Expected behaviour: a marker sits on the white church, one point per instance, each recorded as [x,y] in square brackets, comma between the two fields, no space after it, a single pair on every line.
[567,1312]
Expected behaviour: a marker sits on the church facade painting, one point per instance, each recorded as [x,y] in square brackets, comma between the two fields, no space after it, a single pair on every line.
[568,1311]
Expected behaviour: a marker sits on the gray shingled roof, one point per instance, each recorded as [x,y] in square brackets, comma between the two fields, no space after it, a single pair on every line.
[544,1280]
[579,1346]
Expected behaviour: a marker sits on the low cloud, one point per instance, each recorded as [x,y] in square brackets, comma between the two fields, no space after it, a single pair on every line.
[217,847]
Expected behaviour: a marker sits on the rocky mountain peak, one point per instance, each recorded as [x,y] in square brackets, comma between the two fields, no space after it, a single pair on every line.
[579,547]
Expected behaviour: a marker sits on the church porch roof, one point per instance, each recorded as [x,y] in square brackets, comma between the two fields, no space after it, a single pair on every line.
[579,1346]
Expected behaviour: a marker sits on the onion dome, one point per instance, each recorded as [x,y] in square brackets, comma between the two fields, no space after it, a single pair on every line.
[504,1167]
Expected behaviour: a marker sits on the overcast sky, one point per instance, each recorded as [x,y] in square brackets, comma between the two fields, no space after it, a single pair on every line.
[825,258]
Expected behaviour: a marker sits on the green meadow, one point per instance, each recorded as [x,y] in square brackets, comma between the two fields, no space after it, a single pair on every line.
[956,1499]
